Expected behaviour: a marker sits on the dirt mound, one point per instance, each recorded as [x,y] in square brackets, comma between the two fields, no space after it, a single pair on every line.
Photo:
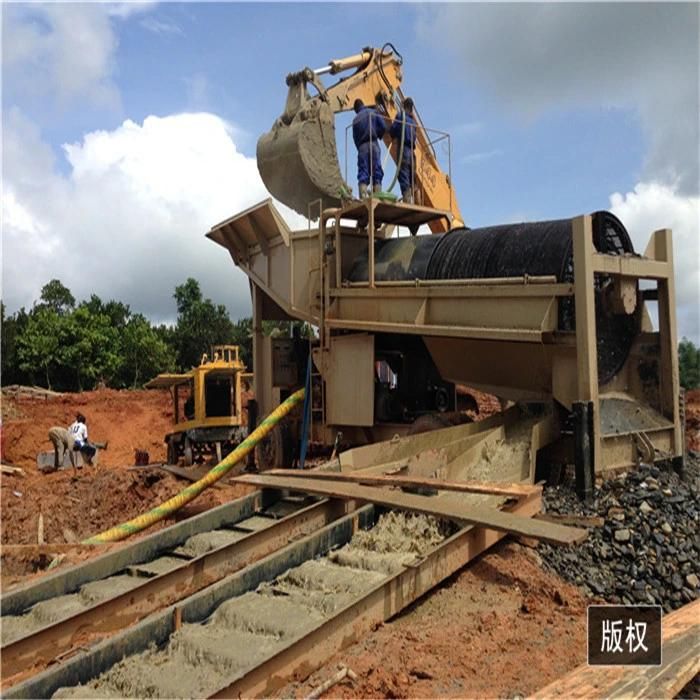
[487,403]
[129,420]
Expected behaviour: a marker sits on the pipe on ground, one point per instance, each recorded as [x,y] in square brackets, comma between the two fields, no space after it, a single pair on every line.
[141,522]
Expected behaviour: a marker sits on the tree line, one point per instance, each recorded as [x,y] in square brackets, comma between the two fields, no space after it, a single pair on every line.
[68,346]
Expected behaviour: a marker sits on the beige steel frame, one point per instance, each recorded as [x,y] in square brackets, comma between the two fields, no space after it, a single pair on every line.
[497,335]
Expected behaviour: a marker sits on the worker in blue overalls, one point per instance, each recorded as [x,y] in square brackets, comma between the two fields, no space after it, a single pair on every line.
[367,129]
[405,121]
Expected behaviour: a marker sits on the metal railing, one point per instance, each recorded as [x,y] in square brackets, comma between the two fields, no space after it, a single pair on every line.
[428,145]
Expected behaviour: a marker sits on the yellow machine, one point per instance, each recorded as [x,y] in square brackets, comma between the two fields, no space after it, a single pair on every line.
[207,411]
[298,158]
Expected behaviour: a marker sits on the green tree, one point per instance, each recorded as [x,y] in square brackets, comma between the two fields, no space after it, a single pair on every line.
[200,324]
[689,364]
[117,312]
[243,337]
[39,344]
[56,296]
[144,353]
[90,347]
[11,328]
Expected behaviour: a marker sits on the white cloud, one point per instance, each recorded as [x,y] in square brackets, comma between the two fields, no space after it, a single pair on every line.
[480,156]
[128,221]
[532,57]
[161,27]
[651,207]
[59,51]
[124,10]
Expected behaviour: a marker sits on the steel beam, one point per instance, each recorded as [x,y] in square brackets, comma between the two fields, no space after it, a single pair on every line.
[17,601]
[631,267]
[519,335]
[297,661]
[106,617]
[157,628]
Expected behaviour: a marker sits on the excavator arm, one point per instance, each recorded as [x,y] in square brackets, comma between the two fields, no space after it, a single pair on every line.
[298,159]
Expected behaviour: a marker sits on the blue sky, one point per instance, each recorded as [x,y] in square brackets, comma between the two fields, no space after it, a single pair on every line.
[231,59]
[552,110]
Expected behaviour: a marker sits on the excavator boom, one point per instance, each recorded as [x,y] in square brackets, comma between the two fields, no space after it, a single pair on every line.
[298,157]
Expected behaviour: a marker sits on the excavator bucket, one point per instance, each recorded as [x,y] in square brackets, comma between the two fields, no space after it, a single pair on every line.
[298,160]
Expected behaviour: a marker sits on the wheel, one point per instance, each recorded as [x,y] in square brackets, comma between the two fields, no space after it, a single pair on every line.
[428,422]
[189,458]
[172,451]
[275,450]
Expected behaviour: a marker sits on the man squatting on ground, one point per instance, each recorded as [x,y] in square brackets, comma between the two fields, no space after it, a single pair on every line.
[367,129]
[74,439]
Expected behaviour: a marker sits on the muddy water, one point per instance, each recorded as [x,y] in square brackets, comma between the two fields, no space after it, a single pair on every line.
[55,609]
[244,631]
[504,460]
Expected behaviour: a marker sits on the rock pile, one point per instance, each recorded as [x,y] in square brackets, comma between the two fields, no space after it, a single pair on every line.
[648,549]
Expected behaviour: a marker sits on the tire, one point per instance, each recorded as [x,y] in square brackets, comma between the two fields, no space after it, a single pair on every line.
[437,421]
[428,422]
[276,450]
[189,456]
[172,456]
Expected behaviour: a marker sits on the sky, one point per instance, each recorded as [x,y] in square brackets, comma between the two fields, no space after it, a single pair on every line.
[129,129]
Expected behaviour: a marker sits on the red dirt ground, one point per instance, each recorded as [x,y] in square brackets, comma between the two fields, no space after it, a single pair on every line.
[100,497]
[129,420]
[503,627]
[692,419]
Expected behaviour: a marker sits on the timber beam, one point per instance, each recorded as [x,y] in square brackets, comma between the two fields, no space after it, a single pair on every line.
[464,513]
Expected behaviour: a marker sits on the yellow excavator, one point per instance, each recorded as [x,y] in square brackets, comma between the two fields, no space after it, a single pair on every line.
[298,158]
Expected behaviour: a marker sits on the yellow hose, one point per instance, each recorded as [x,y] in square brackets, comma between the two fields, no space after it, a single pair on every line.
[141,522]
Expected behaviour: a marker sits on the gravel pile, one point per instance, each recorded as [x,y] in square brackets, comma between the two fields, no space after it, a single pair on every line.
[648,549]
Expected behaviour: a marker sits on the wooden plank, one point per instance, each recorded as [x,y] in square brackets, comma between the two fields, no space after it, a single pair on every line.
[498,489]
[12,471]
[194,473]
[410,447]
[575,520]
[475,515]
[680,664]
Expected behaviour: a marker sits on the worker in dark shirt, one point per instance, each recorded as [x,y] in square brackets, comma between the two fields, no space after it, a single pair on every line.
[405,121]
[367,129]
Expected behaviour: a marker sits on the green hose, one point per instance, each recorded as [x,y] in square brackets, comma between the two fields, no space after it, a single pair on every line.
[398,164]
[141,522]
